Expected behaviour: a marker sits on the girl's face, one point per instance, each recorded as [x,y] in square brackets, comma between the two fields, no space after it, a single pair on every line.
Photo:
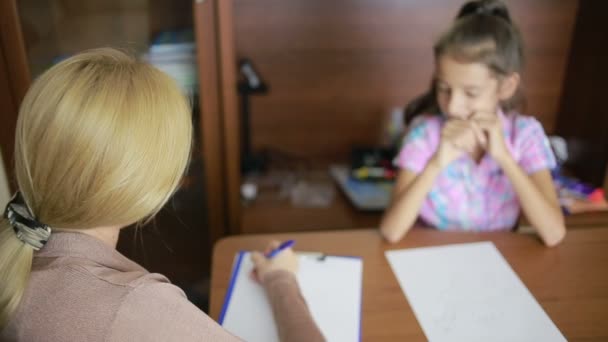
[465,89]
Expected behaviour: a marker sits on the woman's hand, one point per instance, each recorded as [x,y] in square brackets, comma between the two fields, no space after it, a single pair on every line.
[286,260]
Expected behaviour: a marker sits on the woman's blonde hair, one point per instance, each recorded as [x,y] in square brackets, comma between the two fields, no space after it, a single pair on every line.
[102,139]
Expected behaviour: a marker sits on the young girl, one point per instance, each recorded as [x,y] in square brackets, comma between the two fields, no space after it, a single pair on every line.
[470,162]
[102,142]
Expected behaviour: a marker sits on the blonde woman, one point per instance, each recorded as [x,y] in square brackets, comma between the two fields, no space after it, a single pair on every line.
[102,142]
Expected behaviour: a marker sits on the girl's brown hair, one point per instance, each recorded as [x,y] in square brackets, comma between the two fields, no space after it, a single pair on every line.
[482,33]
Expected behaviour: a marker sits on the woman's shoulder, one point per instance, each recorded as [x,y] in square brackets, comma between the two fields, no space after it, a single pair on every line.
[159,311]
[156,285]
[63,291]
[151,289]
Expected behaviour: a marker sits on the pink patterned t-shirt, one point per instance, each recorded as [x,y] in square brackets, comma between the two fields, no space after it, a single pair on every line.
[470,196]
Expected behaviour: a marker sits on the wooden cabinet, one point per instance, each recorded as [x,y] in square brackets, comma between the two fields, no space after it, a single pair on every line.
[334,68]
[606,181]
[38,33]
[14,79]
[583,114]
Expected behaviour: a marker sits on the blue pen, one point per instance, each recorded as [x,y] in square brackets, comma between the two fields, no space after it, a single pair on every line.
[283,246]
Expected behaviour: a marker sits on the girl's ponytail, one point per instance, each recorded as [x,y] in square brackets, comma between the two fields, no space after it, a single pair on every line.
[485,7]
[15,266]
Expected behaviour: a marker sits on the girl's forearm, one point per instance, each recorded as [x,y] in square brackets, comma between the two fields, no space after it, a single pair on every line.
[405,207]
[545,217]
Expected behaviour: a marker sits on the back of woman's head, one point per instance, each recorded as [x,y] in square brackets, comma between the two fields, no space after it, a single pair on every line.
[482,33]
[102,139]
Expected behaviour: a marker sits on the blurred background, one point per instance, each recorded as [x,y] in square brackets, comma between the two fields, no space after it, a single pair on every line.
[298,105]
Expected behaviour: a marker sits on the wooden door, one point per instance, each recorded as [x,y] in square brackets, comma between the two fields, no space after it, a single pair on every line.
[14,80]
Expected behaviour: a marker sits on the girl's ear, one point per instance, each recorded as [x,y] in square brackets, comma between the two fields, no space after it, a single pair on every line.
[508,86]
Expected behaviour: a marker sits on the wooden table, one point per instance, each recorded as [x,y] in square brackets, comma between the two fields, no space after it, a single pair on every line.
[570,281]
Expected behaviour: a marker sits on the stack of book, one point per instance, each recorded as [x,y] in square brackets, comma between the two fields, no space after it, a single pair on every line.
[174,52]
[577,197]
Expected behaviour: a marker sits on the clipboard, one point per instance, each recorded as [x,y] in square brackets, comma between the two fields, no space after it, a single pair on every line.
[331,286]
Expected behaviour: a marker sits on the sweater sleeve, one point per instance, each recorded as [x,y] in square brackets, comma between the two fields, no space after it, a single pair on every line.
[161,312]
[291,313]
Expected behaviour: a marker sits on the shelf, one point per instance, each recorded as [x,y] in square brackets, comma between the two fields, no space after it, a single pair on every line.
[587,220]
[54,29]
[271,214]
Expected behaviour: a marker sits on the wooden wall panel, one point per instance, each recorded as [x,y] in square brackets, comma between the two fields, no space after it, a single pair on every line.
[336,67]
[211,142]
[583,115]
[173,14]
[14,80]
[8,119]
[229,105]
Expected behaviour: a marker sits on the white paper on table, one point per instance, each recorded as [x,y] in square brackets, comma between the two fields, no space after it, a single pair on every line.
[468,292]
[331,287]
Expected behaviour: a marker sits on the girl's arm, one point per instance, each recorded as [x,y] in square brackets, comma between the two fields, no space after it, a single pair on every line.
[409,193]
[457,137]
[536,191]
[538,199]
